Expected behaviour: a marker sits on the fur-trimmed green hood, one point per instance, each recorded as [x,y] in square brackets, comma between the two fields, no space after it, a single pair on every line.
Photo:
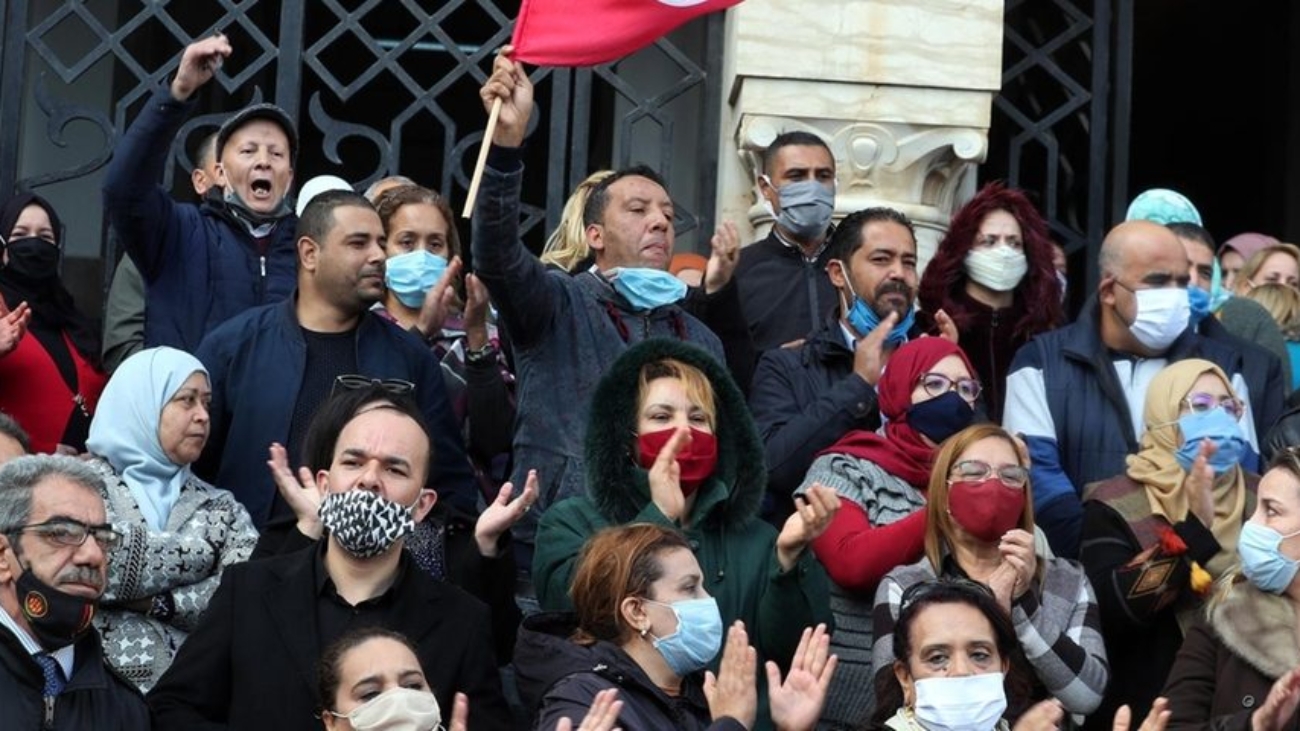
[617,484]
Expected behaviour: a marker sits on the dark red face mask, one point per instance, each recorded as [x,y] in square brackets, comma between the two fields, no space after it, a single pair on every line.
[986,509]
[697,458]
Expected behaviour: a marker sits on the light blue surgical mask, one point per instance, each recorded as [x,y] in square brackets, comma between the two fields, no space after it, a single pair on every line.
[1199,302]
[1218,426]
[697,639]
[645,288]
[410,276]
[1261,558]
[864,319]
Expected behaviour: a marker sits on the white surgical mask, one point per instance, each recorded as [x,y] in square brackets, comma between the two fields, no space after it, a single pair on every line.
[1162,315]
[399,709]
[965,703]
[999,267]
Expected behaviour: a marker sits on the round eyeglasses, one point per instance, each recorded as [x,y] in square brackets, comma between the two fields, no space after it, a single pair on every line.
[937,384]
[1201,403]
[974,470]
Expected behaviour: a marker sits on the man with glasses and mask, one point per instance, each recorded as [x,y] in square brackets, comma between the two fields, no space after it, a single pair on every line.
[53,570]
[784,289]
[805,398]
[1076,394]
[273,365]
[251,662]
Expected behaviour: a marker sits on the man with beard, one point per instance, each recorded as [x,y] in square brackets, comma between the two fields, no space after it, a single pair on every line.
[273,365]
[53,568]
[204,264]
[806,397]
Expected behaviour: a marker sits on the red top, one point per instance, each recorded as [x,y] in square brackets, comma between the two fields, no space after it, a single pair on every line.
[34,394]
[857,555]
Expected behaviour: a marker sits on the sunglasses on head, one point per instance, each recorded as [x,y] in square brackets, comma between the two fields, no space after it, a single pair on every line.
[355,382]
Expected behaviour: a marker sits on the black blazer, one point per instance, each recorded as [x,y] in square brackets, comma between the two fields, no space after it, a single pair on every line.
[251,663]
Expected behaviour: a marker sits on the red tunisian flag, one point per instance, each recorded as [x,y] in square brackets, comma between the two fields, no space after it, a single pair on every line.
[590,32]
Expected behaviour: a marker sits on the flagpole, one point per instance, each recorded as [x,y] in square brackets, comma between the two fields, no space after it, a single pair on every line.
[482,157]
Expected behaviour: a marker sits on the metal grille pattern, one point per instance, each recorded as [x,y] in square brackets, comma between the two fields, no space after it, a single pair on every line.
[1060,124]
[377,87]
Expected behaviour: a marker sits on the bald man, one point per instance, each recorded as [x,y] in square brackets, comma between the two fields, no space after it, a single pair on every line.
[1077,394]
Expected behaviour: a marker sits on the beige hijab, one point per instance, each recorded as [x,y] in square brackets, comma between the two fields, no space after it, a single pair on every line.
[1156,468]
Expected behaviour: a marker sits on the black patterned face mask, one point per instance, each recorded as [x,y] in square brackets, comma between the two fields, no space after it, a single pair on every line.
[364,523]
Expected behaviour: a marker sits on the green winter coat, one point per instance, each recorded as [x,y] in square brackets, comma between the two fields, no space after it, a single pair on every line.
[736,550]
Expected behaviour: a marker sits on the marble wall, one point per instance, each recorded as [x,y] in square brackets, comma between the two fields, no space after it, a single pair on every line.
[901,91]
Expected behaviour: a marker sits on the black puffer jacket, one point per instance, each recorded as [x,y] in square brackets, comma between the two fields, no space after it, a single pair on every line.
[559,678]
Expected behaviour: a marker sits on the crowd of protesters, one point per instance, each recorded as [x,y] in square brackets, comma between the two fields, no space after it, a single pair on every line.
[314,471]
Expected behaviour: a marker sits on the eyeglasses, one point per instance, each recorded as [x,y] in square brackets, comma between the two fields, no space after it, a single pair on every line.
[355,382]
[1201,403]
[946,585]
[974,470]
[937,384]
[990,240]
[69,532]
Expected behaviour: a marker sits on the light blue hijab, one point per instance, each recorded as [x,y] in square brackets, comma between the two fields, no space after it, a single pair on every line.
[125,428]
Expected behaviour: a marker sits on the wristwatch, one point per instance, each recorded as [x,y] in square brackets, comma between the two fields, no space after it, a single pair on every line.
[481,355]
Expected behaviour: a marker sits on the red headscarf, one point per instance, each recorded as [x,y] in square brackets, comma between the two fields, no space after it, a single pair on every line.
[901,451]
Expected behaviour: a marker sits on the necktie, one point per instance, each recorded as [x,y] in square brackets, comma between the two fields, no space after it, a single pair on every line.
[54,681]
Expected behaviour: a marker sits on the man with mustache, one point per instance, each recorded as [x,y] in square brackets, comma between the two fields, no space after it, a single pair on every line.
[206,263]
[53,558]
[273,365]
[806,397]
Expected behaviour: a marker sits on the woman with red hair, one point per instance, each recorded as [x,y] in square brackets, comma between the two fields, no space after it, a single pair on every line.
[993,275]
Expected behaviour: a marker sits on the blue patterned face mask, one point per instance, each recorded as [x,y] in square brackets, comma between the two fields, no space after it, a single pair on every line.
[863,318]
[410,276]
[697,639]
[1218,426]
[645,288]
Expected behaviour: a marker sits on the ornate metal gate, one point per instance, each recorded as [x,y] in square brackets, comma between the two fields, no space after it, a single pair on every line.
[1060,124]
[377,87]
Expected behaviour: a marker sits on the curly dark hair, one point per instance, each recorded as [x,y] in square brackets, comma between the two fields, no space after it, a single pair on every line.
[1037,297]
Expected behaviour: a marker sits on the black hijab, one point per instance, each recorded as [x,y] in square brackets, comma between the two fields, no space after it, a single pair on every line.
[53,310]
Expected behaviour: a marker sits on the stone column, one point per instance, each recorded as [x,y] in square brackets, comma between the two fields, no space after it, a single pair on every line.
[901,90]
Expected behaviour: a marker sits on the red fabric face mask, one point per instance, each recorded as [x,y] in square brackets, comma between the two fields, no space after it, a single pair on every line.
[986,509]
[697,458]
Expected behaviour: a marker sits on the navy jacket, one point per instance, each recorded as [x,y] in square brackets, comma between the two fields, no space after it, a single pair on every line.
[201,265]
[1067,401]
[95,697]
[256,362]
[804,399]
